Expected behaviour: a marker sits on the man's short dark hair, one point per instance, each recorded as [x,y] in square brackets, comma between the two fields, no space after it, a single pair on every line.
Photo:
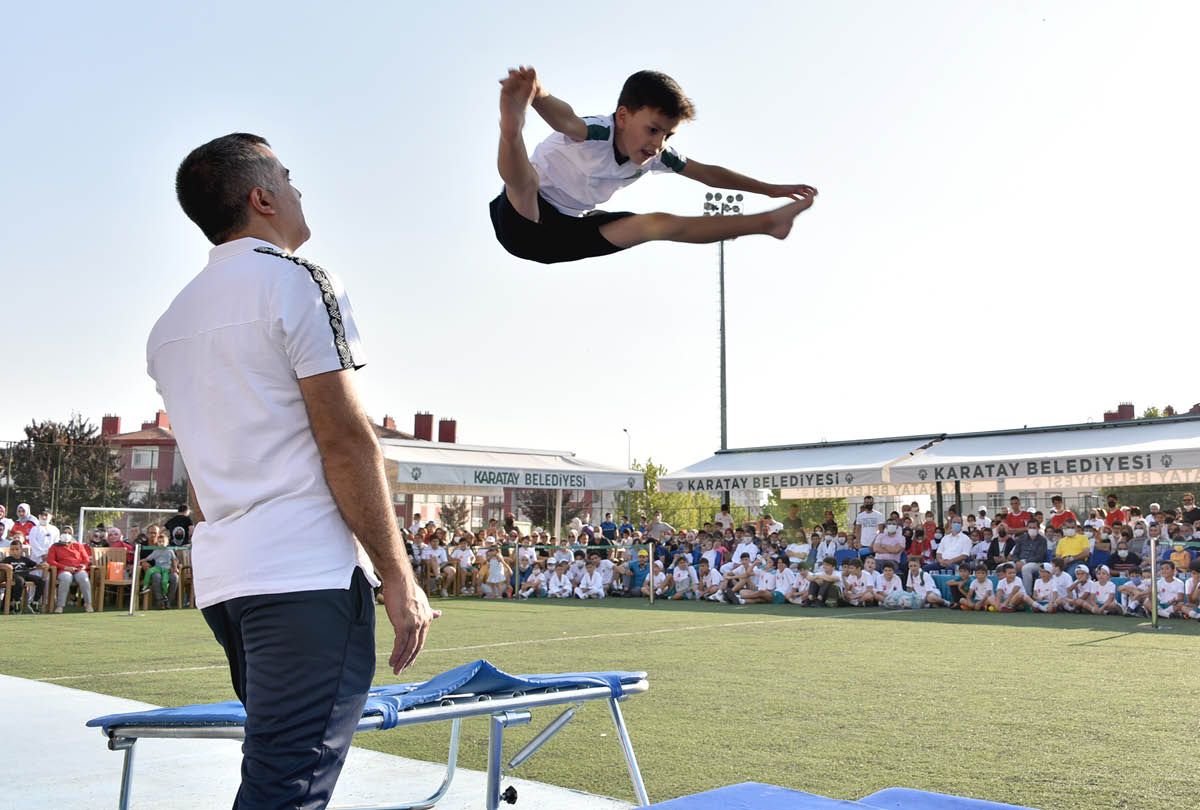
[214,182]
[649,88]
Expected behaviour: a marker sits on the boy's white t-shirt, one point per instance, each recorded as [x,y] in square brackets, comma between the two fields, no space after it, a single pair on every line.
[1044,590]
[887,586]
[872,578]
[536,580]
[559,583]
[711,555]
[1104,592]
[685,578]
[764,579]
[713,578]
[591,582]
[465,556]
[576,176]
[981,590]
[785,580]
[1167,591]
[605,567]
[659,579]
[854,585]
[1189,587]
[1005,589]
[1061,582]
[922,583]
[746,548]
[798,552]
[438,554]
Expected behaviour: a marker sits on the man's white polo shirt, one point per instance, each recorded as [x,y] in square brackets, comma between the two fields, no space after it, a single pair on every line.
[227,357]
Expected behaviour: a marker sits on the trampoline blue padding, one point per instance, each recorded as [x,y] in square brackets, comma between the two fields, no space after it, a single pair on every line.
[756,796]
[475,678]
[909,799]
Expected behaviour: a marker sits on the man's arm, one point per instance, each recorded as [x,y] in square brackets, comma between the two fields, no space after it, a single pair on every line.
[720,177]
[353,465]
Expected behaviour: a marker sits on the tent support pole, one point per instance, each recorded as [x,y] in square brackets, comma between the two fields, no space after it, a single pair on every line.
[941,511]
[557,514]
[958,498]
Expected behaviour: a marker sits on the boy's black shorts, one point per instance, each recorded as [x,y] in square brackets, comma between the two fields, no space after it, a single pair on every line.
[556,237]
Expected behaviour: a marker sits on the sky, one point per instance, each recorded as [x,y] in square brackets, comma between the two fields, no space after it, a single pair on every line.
[1005,232]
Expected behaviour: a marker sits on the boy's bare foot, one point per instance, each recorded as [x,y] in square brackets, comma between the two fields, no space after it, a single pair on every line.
[779,221]
[516,94]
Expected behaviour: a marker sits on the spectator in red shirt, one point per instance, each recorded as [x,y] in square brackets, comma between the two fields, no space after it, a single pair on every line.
[1017,518]
[1115,514]
[1058,515]
[72,559]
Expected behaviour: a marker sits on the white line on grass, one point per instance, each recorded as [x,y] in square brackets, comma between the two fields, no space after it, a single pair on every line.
[467,647]
[139,672]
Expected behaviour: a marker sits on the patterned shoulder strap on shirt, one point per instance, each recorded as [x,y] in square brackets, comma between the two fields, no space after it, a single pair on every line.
[328,297]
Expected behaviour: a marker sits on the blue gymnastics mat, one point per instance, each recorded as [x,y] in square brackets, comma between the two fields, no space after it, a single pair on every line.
[756,796]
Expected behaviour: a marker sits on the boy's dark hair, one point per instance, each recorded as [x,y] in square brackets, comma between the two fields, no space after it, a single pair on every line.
[649,88]
[830,561]
[964,566]
[214,182]
[981,567]
[889,564]
[1060,562]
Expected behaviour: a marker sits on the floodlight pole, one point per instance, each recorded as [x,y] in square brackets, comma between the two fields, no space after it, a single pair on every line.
[715,206]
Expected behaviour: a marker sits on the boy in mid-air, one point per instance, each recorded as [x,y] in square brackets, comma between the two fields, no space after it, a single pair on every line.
[546,211]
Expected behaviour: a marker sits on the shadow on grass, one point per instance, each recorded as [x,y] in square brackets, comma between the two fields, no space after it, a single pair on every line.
[1121,625]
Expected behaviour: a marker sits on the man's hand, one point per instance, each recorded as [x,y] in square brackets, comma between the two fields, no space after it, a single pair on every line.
[798,192]
[409,612]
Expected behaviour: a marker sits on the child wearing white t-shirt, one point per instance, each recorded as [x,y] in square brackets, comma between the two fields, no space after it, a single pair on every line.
[710,582]
[684,580]
[801,587]
[1104,593]
[535,583]
[591,586]
[559,585]
[1171,590]
[979,592]
[891,588]
[1191,600]
[1045,591]
[498,575]
[1010,591]
[922,585]
[855,587]
[1078,592]
[656,580]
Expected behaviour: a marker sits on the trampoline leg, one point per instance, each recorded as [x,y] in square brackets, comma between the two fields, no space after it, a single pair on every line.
[424,804]
[124,744]
[496,725]
[627,747]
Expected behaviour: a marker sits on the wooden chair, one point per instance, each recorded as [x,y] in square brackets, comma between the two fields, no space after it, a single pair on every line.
[184,556]
[6,581]
[102,582]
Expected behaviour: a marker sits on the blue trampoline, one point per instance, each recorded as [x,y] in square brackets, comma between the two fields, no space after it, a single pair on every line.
[755,796]
[477,689]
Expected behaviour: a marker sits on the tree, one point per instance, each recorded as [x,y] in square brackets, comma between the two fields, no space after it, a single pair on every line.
[537,505]
[62,466]
[683,510]
[454,515]
[812,510]
[1168,496]
[1151,413]
[172,497]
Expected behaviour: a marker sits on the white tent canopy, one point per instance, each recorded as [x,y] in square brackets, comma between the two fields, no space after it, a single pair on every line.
[793,466]
[1125,449]
[438,463]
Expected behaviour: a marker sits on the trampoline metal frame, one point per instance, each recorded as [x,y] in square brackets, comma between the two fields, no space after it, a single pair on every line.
[502,709]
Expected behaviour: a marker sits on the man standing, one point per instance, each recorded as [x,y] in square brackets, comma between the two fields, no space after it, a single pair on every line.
[182,519]
[1115,514]
[658,528]
[254,360]
[866,525]
[1191,512]
[1017,518]
[1058,515]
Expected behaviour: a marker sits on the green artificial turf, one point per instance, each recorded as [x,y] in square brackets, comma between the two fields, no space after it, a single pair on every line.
[1055,712]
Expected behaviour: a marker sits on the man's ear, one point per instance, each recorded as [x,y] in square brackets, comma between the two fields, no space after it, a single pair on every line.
[262,201]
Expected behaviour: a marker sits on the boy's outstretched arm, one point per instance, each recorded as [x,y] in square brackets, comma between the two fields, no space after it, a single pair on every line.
[720,177]
[554,111]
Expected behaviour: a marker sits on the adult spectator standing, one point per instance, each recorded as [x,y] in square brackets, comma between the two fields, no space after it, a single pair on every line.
[985,522]
[867,524]
[1017,518]
[724,518]
[182,519]
[954,548]
[41,537]
[829,524]
[657,528]
[608,529]
[1028,553]
[1115,513]
[794,523]
[771,525]
[889,544]
[1058,516]
[254,360]
[1191,512]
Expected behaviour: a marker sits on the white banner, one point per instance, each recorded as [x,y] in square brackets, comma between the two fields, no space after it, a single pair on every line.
[1089,465]
[789,480]
[513,478]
